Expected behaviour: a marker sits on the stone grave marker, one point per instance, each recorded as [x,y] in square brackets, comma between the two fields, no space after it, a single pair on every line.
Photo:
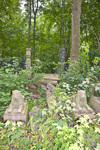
[18,108]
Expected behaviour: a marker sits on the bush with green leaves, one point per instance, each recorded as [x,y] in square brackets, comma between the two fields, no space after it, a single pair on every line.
[53,133]
[12,79]
[81,75]
[82,136]
[12,137]
[65,133]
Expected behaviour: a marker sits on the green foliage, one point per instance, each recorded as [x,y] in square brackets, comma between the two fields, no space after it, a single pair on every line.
[13,137]
[13,78]
[53,133]
[81,75]
[74,137]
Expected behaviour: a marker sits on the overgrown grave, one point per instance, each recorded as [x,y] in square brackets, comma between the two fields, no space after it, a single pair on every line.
[60,110]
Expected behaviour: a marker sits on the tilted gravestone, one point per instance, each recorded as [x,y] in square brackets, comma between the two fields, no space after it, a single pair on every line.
[18,108]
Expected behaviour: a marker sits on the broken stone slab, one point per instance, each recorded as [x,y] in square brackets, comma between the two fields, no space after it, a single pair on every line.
[34,112]
[54,77]
[46,81]
[34,122]
[49,78]
[95,101]
[81,105]
[18,108]
[50,87]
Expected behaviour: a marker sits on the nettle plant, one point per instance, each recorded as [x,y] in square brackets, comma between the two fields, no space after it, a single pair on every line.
[81,75]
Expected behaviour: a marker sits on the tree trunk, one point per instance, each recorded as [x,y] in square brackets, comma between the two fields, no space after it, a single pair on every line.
[29,28]
[34,37]
[35,9]
[75,30]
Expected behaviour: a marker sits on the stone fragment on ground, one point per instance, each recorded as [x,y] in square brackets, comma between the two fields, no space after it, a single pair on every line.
[33,121]
[43,87]
[49,78]
[50,87]
[51,101]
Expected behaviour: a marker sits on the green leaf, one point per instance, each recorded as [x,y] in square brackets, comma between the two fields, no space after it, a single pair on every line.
[61,122]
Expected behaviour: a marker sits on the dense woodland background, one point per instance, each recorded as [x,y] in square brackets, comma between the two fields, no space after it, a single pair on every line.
[45,26]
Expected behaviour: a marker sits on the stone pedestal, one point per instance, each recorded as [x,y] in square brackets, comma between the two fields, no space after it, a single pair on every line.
[81,105]
[28,60]
[18,108]
[62,58]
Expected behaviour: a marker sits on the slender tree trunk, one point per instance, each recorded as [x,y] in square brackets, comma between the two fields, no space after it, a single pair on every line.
[29,28]
[75,33]
[34,37]
[35,9]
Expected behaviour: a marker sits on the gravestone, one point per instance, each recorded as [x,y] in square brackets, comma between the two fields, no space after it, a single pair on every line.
[81,105]
[28,60]
[62,58]
[18,108]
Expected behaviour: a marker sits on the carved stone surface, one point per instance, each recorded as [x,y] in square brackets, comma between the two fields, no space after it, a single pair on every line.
[81,104]
[18,108]
[95,101]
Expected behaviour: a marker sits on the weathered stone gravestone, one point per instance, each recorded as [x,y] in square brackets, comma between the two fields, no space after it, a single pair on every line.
[62,58]
[81,105]
[18,108]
